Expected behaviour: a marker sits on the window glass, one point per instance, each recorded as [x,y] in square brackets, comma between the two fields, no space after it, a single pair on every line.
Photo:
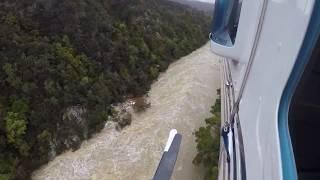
[225,21]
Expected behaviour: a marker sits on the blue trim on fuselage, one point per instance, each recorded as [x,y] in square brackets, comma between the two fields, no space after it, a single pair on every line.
[287,156]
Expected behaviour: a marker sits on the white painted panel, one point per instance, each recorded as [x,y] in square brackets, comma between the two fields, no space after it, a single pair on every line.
[282,34]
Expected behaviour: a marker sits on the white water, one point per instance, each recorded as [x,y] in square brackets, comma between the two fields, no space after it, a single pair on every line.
[180,99]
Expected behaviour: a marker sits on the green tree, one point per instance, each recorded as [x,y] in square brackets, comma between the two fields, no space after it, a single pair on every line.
[16,126]
[208,143]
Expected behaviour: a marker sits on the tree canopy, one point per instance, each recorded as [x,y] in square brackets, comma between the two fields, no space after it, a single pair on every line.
[86,55]
[208,142]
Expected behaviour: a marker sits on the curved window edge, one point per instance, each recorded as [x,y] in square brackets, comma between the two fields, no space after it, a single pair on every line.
[289,170]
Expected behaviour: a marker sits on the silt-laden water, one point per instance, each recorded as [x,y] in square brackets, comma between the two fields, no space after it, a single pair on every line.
[181,98]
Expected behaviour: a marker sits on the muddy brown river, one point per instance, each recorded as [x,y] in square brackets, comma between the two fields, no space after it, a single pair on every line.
[181,98]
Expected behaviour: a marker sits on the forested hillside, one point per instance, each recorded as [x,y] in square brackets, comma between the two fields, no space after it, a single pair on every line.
[201,6]
[62,57]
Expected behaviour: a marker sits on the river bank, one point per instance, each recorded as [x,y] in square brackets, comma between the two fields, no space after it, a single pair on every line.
[181,98]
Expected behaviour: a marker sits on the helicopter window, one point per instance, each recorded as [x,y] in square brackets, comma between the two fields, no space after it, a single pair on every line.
[226,19]
[304,120]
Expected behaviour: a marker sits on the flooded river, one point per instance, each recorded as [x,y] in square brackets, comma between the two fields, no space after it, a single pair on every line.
[181,98]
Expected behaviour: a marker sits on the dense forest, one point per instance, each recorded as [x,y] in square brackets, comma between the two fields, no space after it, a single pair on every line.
[64,62]
[208,142]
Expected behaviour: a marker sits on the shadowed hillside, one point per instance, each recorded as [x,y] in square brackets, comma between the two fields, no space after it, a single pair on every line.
[201,6]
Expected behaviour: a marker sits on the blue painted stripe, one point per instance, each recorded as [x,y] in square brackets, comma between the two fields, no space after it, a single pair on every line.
[287,157]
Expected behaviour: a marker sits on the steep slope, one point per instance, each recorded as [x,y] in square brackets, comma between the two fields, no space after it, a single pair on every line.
[63,63]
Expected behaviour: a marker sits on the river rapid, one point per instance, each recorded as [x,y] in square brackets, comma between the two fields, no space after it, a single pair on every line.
[181,98]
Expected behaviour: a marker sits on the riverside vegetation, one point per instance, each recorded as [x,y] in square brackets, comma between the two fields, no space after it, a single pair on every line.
[208,142]
[63,63]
